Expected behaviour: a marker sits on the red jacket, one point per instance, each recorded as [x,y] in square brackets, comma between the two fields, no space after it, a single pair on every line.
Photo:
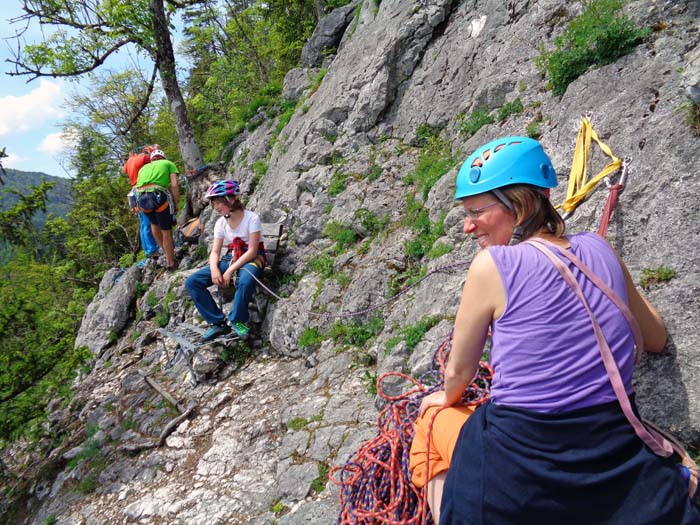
[134,164]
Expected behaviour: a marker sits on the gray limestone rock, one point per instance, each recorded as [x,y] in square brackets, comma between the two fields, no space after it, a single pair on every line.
[327,35]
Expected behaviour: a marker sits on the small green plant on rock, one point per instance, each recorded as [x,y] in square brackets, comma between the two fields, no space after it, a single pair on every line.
[318,484]
[337,184]
[434,161]
[322,265]
[476,120]
[344,236]
[370,381]
[691,111]
[277,507]
[297,423]
[510,108]
[598,36]
[656,276]
[309,337]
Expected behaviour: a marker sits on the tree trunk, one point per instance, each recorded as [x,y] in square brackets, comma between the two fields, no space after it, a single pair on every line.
[165,58]
[320,9]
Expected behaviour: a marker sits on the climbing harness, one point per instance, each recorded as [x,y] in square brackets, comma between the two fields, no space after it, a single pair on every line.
[375,483]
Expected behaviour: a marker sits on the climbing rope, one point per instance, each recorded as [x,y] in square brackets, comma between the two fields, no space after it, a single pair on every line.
[356,313]
[375,483]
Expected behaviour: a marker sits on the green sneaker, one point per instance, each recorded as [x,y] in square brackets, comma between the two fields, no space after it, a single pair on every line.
[241,330]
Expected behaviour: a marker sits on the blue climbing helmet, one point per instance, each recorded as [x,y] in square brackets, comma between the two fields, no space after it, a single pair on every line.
[502,162]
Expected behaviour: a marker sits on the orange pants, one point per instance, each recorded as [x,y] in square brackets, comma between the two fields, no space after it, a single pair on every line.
[443,438]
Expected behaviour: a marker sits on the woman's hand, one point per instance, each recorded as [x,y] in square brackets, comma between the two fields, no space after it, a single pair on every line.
[436,399]
[228,276]
[216,276]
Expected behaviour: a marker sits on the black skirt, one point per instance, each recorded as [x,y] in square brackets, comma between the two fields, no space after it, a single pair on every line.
[587,467]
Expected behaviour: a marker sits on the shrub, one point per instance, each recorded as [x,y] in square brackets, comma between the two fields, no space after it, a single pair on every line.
[427,232]
[370,381]
[337,184]
[599,36]
[425,133]
[434,161]
[533,130]
[439,249]
[510,108]
[691,112]
[343,235]
[309,337]
[356,334]
[374,173]
[319,483]
[370,222]
[477,119]
[412,334]
[259,167]
[322,265]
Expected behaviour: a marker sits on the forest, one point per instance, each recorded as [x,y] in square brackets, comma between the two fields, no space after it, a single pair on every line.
[230,66]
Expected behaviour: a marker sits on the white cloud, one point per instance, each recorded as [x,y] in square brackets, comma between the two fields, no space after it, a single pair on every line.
[13,161]
[57,143]
[20,114]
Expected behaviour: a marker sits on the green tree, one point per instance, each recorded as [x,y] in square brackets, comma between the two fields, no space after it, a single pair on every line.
[88,32]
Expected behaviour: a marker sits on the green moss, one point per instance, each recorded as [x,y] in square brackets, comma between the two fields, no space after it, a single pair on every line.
[651,277]
[297,423]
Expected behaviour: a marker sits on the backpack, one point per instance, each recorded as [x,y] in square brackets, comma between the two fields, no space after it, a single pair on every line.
[190,232]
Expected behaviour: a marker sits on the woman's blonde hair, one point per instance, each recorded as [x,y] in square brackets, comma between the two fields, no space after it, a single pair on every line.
[533,210]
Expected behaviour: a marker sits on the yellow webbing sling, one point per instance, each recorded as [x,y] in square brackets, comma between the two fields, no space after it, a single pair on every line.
[579,187]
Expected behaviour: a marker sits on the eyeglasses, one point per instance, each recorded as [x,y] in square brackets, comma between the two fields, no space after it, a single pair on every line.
[476,213]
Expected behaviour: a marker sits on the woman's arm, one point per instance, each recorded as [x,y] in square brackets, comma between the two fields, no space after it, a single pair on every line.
[483,299]
[648,318]
[214,257]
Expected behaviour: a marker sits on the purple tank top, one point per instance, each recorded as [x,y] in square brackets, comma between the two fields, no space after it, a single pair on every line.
[544,352]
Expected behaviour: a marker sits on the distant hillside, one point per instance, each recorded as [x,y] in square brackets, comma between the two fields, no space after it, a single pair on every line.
[59,198]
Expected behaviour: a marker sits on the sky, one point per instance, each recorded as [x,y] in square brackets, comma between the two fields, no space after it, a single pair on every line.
[32,113]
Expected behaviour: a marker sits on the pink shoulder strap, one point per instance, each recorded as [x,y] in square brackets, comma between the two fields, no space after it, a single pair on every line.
[657,443]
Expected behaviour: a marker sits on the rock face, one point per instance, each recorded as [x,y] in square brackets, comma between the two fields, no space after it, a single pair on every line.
[341,177]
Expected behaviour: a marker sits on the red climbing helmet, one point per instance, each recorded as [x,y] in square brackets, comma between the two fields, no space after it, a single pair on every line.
[223,188]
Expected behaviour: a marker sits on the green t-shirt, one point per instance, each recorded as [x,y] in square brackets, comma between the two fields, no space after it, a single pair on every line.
[156,172]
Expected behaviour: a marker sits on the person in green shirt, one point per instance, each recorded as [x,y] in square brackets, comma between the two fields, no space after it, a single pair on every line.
[158,193]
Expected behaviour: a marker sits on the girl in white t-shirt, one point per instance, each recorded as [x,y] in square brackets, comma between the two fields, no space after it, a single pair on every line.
[239,232]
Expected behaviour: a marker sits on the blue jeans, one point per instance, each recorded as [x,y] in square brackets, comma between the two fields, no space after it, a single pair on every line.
[197,285]
[148,242]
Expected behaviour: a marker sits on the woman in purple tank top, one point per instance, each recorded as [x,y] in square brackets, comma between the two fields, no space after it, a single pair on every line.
[552,445]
